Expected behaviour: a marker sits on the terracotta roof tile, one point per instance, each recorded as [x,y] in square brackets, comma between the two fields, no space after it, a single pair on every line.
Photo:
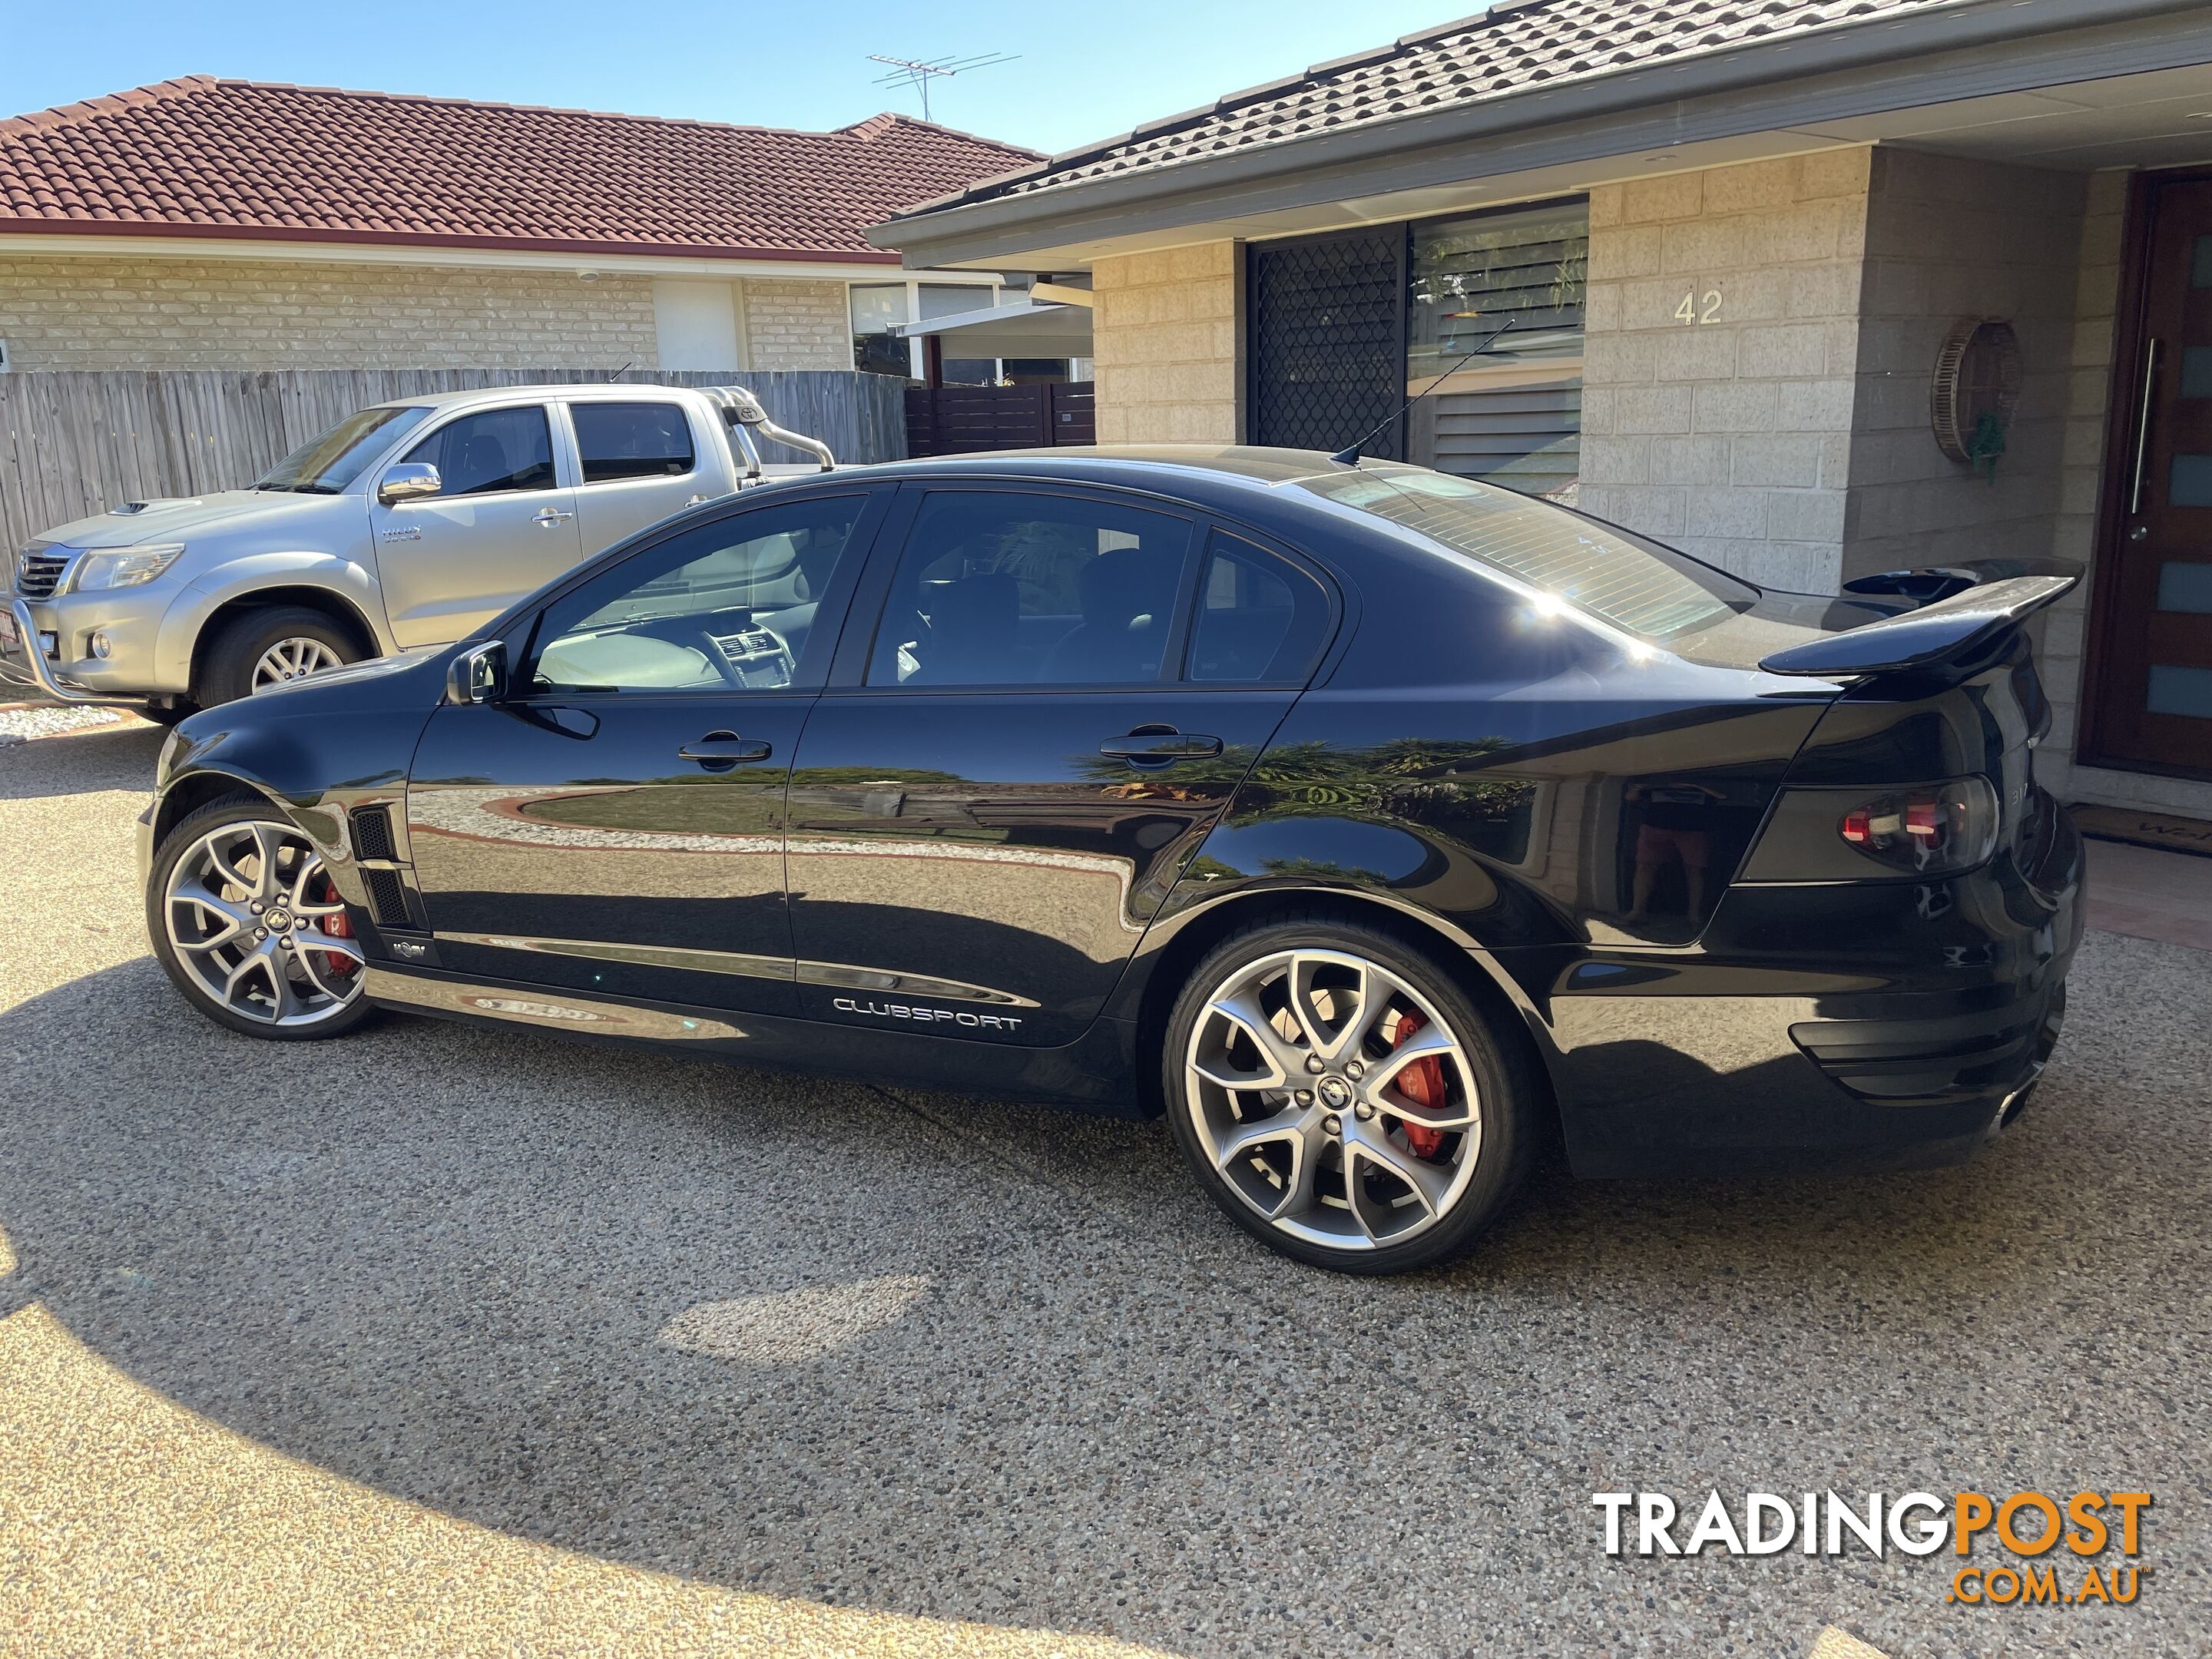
[1516,45]
[201,155]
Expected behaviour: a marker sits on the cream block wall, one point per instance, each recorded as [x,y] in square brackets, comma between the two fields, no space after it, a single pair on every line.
[797,325]
[1164,340]
[107,314]
[1728,433]
[1947,240]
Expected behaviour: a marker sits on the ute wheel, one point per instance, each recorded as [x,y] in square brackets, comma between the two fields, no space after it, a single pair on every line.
[247,924]
[1342,1099]
[266,648]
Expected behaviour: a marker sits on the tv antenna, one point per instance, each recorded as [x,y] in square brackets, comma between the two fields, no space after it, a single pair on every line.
[920,71]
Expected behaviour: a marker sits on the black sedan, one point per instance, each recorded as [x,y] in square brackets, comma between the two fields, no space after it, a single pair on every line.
[1374,826]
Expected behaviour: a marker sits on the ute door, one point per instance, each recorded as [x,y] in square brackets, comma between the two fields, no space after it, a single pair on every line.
[1012,765]
[614,824]
[637,462]
[501,525]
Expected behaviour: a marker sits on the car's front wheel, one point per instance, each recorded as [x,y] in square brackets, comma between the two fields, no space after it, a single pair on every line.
[1343,1099]
[246,922]
[264,649]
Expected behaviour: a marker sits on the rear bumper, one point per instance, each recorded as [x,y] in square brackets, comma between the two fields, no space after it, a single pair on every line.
[1901,1030]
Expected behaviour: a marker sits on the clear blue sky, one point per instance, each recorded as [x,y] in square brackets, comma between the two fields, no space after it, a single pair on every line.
[1086,71]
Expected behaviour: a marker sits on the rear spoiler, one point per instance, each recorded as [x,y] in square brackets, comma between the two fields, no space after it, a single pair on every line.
[1951,630]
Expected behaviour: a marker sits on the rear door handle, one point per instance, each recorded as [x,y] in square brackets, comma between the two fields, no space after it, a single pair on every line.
[551,516]
[726,747]
[1160,746]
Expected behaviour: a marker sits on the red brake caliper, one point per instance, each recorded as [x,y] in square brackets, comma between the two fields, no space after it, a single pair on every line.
[337,925]
[1423,1084]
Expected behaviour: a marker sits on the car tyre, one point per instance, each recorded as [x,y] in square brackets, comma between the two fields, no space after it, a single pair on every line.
[272,647]
[247,924]
[1425,1152]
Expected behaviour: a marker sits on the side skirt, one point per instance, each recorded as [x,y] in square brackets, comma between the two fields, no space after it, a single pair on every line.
[1091,1074]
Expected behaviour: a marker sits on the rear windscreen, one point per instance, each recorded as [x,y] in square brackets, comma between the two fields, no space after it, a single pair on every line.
[1638,587]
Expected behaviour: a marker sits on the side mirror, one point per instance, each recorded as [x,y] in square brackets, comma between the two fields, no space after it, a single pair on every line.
[406,481]
[478,674]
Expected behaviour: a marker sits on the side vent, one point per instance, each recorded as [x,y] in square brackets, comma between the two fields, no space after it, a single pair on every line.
[372,833]
[387,898]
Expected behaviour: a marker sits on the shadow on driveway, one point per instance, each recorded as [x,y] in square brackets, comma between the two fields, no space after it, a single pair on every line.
[934,1356]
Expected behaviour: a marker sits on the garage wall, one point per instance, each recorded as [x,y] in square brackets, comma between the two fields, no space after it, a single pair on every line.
[1720,358]
[1948,239]
[1164,343]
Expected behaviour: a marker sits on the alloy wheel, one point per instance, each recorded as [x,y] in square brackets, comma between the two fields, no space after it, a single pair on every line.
[293,659]
[253,919]
[1334,1099]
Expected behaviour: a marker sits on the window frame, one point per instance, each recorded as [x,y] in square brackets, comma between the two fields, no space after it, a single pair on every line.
[809,671]
[570,406]
[1332,599]
[856,650]
[555,432]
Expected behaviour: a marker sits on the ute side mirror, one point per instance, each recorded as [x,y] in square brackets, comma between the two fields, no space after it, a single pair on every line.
[408,481]
[478,674]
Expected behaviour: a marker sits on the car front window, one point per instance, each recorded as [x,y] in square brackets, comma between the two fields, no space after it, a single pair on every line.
[326,464]
[1637,586]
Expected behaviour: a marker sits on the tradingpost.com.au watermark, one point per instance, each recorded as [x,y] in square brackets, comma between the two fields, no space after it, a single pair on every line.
[2052,1542]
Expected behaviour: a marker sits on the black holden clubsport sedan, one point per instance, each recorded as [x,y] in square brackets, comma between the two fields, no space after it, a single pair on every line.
[1371,824]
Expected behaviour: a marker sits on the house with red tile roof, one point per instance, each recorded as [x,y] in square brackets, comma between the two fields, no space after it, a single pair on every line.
[213,224]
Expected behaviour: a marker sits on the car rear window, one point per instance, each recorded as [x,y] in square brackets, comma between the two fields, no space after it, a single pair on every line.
[1638,587]
[631,440]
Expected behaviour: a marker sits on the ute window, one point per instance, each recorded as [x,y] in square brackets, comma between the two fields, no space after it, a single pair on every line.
[1637,586]
[1019,589]
[493,451]
[632,440]
[327,463]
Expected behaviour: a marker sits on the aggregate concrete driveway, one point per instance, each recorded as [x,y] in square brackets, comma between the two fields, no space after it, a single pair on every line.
[339,1346]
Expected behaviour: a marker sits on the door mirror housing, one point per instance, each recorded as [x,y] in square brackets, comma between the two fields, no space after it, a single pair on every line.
[408,481]
[478,674]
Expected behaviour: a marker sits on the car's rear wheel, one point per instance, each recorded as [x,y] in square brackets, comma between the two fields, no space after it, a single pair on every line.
[247,925]
[1342,1099]
[266,648]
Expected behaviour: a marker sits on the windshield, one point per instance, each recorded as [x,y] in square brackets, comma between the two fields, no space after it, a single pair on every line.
[1637,586]
[326,465]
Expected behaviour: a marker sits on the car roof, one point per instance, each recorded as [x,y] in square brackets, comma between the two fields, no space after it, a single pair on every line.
[1123,463]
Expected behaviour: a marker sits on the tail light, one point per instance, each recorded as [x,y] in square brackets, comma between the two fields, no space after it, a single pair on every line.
[1934,830]
[1921,831]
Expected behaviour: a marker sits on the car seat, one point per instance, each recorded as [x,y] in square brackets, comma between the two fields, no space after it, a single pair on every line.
[1127,596]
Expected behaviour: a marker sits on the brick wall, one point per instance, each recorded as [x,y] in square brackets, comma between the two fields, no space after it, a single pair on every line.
[1949,239]
[1728,433]
[104,313]
[792,324]
[1164,344]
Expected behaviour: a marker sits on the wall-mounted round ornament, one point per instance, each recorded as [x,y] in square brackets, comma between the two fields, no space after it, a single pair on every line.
[1976,391]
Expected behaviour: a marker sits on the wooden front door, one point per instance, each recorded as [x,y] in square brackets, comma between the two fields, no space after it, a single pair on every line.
[2151,678]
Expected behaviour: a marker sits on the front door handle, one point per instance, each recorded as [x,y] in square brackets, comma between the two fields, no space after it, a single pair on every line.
[1160,746]
[724,748]
[551,516]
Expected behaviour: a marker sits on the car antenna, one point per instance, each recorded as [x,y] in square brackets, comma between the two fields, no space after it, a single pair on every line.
[623,370]
[1349,456]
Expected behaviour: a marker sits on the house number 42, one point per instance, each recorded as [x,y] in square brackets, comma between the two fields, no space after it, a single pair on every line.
[1697,309]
